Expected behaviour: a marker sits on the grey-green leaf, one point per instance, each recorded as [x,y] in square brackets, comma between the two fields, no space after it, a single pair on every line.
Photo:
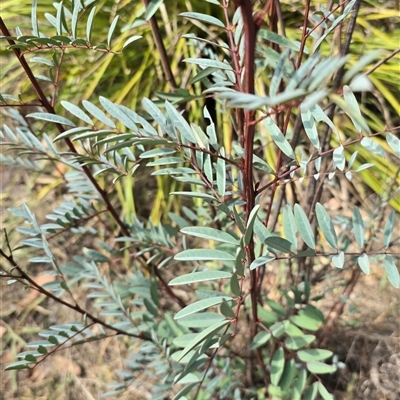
[304,226]
[310,127]
[204,254]
[260,339]
[250,224]
[314,354]
[75,110]
[352,102]
[97,113]
[204,18]
[392,272]
[200,305]
[358,227]
[179,122]
[51,118]
[338,260]
[297,342]
[152,8]
[258,262]
[111,30]
[221,173]
[210,234]
[278,243]
[201,320]
[317,367]
[394,143]
[338,158]
[199,277]
[326,225]
[202,336]
[372,146]
[324,393]
[388,230]
[277,366]
[363,262]
[289,226]
[89,24]
[278,137]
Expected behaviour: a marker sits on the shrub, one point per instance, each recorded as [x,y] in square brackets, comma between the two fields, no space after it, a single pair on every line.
[219,288]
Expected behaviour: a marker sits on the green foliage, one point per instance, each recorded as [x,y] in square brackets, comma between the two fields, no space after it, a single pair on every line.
[239,203]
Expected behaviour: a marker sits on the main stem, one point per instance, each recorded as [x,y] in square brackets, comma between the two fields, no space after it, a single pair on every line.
[249,117]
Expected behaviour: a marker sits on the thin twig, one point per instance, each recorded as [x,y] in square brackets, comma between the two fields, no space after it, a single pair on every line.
[155,30]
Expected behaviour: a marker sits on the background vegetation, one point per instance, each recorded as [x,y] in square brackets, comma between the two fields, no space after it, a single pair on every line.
[361,312]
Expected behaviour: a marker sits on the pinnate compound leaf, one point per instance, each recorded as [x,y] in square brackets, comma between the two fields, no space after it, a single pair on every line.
[388,230]
[363,262]
[278,137]
[392,271]
[51,118]
[358,227]
[277,366]
[204,254]
[394,143]
[75,110]
[304,226]
[204,18]
[199,277]
[326,225]
[211,234]
[200,305]
[317,367]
